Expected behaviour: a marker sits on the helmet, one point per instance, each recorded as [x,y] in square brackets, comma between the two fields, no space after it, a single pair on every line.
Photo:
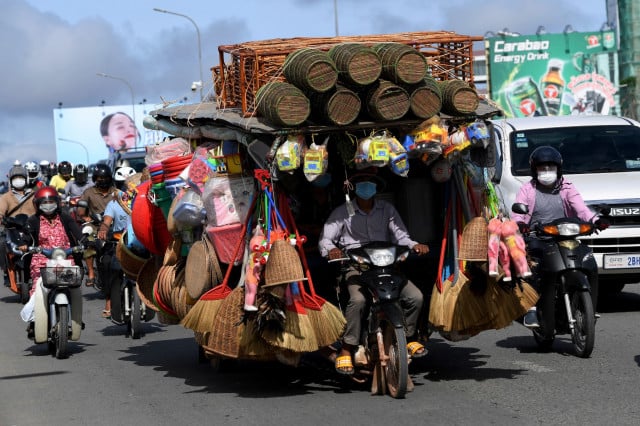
[17,170]
[545,154]
[122,163]
[103,172]
[43,166]
[64,168]
[47,193]
[33,171]
[123,173]
[52,169]
[81,173]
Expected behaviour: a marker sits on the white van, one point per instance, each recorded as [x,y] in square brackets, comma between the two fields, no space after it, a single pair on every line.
[601,156]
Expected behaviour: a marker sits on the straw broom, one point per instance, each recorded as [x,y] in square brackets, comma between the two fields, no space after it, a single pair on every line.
[436,305]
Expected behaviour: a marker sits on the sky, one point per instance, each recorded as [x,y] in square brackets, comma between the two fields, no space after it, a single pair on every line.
[53,49]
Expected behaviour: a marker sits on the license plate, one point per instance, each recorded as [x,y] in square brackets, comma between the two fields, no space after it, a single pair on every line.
[621,261]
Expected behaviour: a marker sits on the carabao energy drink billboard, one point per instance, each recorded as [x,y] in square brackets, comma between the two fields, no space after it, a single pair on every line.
[552,74]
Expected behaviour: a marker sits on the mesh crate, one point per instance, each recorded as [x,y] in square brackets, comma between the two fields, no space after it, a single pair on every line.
[244,68]
[61,276]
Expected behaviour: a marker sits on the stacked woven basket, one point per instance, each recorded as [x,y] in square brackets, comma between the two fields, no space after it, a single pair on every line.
[382,82]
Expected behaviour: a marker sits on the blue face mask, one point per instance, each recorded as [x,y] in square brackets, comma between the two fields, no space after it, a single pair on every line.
[365,190]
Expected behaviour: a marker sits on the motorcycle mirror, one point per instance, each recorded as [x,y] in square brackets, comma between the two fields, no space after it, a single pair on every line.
[87,230]
[520,208]
[604,209]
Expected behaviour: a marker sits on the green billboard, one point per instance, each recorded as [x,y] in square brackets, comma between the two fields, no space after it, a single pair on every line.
[552,74]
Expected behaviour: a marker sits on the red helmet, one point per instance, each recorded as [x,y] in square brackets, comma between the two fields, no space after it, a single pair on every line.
[47,193]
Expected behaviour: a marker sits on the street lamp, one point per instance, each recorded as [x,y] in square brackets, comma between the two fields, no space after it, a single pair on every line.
[199,46]
[78,143]
[133,106]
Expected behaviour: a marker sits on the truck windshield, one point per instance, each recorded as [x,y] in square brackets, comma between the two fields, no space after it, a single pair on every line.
[595,149]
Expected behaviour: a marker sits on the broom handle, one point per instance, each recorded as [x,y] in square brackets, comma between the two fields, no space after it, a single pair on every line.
[443,248]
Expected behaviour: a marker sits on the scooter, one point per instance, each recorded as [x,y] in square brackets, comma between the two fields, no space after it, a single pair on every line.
[382,353]
[17,262]
[126,306]
[55,309]
[567,272]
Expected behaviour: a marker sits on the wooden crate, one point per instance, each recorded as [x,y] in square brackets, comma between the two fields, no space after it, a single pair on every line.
[246,67]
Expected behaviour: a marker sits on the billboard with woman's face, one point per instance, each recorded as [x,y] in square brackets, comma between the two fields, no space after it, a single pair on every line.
[88,135]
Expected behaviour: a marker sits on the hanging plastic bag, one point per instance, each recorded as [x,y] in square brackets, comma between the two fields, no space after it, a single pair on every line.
[316,160]
[398,159]
[288,154]
[189,211]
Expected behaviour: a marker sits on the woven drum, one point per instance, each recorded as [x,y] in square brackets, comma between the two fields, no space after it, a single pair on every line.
[426,98]
[401,63]
[339,106]
[458,98]
[357,64]
[475,240]
[387,101]
[130,262]
[283,265]
[283,104]
[197,270]
[310,69]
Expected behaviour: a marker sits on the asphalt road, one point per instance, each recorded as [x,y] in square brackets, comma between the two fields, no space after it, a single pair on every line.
[496,377]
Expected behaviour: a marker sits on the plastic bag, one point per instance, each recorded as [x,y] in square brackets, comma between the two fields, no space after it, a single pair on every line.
[227,199]
[166,149]
[288,154]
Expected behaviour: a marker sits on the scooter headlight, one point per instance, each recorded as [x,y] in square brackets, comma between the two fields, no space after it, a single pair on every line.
[58,254]
[382,256]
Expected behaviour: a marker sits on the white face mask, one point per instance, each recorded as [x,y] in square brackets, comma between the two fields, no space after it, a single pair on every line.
[18,183]
[48,207]
[548,177]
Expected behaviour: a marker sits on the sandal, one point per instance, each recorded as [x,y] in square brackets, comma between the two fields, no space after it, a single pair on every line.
[344,365]
[106,314]
[90,282]
[416,349]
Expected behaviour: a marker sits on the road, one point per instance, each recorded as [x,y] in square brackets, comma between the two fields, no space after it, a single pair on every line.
[496,377]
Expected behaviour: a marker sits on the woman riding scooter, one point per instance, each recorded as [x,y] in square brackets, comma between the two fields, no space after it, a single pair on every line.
[548,196]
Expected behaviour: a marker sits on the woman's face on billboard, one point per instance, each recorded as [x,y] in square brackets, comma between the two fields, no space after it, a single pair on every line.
[122,133]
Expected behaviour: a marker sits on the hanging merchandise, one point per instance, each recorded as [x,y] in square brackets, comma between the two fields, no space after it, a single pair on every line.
[189,211]
[227,199]
[166,149]
[427,141]
[398,159]
[478,134]
[373,151]
[316,160]
[441,170]
[289,153]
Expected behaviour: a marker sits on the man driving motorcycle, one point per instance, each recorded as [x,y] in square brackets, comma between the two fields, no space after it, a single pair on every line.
[548,196]
[372,220]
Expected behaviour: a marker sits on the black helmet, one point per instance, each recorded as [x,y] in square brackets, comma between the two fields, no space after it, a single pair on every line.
[64,168]
[545,154]
[81,173]
[103,172]
[52,169]
[47,193]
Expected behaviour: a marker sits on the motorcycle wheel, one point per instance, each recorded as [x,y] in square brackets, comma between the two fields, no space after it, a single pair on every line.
[62,331]
[396,371]
[24,292]
[584,330]
[135,314]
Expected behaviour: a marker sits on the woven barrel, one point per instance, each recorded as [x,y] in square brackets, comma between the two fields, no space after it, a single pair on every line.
[283,104]
[401,63]
[458,98]
[357,64]
[339,106]
[310,69]
[425,98]
[387,101]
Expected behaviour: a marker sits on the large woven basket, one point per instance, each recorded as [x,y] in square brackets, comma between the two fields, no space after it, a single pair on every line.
[227,325]
[426,98]
[387,101]
[197,270]
[146,278]
[401,63]
[283,265]
[282,104]
[130,262]
[475,240]
[310,69]
[357,64]
[339,106]
[458,98]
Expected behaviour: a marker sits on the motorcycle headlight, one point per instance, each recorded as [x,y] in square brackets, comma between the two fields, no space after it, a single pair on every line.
[565,229]
[382,256]
[58,254]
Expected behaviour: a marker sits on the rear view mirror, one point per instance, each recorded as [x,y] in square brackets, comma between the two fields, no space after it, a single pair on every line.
[520,208]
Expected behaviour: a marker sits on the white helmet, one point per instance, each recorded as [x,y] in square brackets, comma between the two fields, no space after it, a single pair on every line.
[122,173]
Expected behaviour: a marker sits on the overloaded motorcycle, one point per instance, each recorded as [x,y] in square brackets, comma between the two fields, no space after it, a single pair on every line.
[126,306]
[55,309]
[17,262]
[382,353]
[568,273]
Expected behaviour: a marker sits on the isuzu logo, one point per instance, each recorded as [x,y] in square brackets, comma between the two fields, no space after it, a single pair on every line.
[625,211]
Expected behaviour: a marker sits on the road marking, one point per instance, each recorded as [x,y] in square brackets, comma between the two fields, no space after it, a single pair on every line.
[528,365]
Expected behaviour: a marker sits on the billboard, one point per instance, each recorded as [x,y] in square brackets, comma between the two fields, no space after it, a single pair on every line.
[89,134]
[552,74]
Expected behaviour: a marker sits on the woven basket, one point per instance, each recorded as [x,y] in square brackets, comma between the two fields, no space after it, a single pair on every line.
[357,64]
[283,104]
[387,101]
[283,265]
[426,98]
[339,107]
[458,98]
[130,262]
[401,63]
[475,241]
[198,270]
[310,69]
[146,278]
[227,329]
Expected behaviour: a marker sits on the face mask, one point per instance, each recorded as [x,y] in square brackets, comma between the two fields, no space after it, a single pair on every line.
[365,190]
[18,183]
[48,207]
[547,178]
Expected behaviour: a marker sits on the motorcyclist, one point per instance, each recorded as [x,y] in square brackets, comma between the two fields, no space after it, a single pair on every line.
[34,178]
[96,197]
[59,181]
[373,220]
[80,182]
[14,202]
[548,196]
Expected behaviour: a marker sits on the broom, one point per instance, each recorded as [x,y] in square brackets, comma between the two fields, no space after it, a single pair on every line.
[436,305]
[201,316]
[327,320]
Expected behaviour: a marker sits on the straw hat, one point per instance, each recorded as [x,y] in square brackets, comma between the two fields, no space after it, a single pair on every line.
[283,265]
[197,270]
[475,240]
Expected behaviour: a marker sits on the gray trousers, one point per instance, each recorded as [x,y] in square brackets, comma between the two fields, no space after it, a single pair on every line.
[411,300]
